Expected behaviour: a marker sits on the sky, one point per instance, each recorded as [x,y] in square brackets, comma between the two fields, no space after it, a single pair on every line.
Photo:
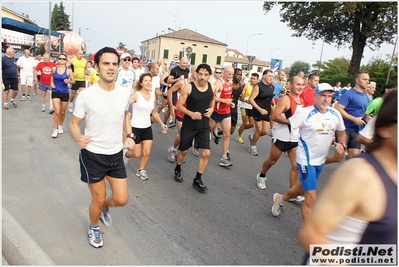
[236,23]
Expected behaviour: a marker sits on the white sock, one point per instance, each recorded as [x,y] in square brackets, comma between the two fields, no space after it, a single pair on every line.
[280,200]
[253,147]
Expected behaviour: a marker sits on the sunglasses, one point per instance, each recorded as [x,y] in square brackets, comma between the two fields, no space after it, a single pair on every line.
[62,58]
[218,72]
[127,59]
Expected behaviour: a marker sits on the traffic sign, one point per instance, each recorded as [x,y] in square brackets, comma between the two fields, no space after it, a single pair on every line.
[149,61]
[235,64]
[276,64]
[176,57]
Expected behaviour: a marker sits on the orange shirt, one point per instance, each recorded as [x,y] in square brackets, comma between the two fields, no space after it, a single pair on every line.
[308,97]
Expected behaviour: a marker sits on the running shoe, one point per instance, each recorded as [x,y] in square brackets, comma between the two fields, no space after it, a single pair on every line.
[297,199]
[253,151]
[60,130]
[13,104]
[199,186]
[105,217]
[70,107]
[34,94]
[225,162]
[51,110]
[228,156]
[171,124]
[142,174]
[43,108]
[164,132]
[178,177]
[95,239]
[171,155]
[55,134]
[277,207]
[215,138]
[239,140]
[196,152]
[28,98]
[5,106]
[261,181]
[250,139]
[23,98]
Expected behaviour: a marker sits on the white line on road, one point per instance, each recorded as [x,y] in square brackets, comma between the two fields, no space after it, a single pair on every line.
[29,249]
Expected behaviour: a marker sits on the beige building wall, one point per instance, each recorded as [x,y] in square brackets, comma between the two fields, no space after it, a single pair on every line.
[7,14]
[157,46]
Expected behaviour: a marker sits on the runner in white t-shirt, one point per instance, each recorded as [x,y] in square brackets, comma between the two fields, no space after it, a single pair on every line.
[125,76]
[26,65]
[317,125]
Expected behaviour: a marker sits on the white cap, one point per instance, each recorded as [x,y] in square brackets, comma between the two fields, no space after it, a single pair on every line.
[324,87]
[125,55]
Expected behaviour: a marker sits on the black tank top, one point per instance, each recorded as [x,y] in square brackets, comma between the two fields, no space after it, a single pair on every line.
[265,96]
[236,95]
[385,230]
[198,101]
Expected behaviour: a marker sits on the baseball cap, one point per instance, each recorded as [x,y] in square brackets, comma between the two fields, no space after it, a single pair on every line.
[324,87]
[174,64]
[124,55]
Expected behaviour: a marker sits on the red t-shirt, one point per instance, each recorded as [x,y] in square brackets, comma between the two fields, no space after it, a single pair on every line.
[226,93]
[46,71]
[308,97]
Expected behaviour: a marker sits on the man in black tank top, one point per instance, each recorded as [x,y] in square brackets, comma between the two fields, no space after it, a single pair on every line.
[196,102]
[238,85]
[359,205]
[261,100]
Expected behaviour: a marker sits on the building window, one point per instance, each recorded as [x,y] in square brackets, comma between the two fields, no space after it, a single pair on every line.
[218,60]
[194,44]
[204,57]
[166,53]
[244,67]
[180,54]
[192,61]
[260,69]
[205,46]
[182,43]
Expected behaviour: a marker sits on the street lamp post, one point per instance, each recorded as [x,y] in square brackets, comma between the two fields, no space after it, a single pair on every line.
[246,50]
[321,54]
[80,30]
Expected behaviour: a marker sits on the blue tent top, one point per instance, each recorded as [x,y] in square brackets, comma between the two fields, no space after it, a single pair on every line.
[15,25]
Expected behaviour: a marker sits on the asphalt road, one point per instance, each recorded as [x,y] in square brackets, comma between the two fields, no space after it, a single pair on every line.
[45,205]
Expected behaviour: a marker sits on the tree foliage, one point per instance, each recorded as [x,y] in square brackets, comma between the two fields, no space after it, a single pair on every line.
[333,67]
[297,66]
[59,19]
[122,46]
[40,49]
[342,23]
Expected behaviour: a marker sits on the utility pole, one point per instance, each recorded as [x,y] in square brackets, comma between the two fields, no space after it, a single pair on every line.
[49,30]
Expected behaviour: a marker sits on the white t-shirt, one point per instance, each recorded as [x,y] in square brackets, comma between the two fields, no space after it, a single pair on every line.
[125,78]
[28,65]
[316,131]
[138,72]
[104,113]
[368,131]
[35,62]
[141,111]
[155,84]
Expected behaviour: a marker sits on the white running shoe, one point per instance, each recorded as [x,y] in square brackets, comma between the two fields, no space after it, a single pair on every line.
[94,235]
[171,155]
[297,199]
[125,158]
[55,133]
[142,174]
[70,107]
[253,151]
[60,130]
[261,181]
[277,207]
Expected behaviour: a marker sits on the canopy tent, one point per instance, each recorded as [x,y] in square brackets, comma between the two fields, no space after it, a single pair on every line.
[27,28]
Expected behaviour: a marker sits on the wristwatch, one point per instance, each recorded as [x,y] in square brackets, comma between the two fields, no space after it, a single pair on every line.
[131,135]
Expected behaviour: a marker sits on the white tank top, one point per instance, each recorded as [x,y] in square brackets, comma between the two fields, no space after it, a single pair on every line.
[282,131]
[141,111]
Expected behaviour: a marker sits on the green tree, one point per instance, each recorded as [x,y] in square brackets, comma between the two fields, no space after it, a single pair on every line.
[122,46]
[132,52]
[40,49]
[59,19]
[297,66]
[341,23]
[333,67]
